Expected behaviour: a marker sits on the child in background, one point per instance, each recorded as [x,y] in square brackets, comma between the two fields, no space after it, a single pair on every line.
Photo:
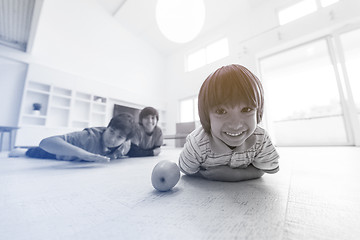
[148,139]
[229,146]
[97,144]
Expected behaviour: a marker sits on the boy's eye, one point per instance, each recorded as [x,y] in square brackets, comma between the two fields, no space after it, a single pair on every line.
[220,111]
[247,109]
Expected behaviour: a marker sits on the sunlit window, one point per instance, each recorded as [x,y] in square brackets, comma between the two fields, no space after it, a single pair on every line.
[303,100]
[325,3]
[217,50]
[196,59]
[189,110]
[210,53]
[297,11]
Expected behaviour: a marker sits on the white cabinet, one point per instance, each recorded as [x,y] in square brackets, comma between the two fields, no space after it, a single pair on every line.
[62,110]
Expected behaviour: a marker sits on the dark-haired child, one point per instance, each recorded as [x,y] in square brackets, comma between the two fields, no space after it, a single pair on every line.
[229,146]
[97,144]
[149,138]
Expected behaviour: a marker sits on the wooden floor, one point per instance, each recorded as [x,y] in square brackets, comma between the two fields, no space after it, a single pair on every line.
[315,195]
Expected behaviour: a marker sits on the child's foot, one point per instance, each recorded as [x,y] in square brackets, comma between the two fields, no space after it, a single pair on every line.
[18,152]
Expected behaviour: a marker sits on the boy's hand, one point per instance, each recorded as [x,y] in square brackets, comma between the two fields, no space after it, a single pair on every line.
[95,158]
[156,151]
[214,172]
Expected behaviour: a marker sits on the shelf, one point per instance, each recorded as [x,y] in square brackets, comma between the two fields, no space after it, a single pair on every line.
[34,116]
[33,120]
[79,124]
[98,113]
[81,110]
[38,91]
[62,92]
[60,101]
[99,99]
[83,96]
[61,96]
[99,108]
[38,86]
[58,117]
[98,119]
[32,97]
[61,108]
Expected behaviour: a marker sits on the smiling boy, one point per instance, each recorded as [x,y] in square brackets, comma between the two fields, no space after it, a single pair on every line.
[229,145]
[149,138]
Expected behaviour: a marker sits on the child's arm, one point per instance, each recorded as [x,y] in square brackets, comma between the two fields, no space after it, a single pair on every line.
[57,145]
[228,174]
[136,151]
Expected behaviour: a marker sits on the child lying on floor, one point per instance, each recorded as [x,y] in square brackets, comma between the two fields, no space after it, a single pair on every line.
[229,146]
[148,137]
[97,144]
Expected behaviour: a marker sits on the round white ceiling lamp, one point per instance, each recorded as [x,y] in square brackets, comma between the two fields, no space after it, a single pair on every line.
[180,20]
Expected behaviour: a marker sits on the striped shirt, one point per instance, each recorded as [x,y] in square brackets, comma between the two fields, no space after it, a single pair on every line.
[202,151]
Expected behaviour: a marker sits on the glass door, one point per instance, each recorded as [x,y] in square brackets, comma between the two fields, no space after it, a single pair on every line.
[302,99]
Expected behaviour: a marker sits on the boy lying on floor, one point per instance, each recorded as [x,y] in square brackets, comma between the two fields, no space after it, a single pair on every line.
[97,144]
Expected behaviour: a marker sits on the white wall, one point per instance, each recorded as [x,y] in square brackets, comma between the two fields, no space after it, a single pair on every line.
[249,38]
[12,75]
[80,37]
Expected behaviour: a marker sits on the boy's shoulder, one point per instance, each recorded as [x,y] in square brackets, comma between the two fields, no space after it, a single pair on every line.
[199,136]
[261,135]
[157,130]
[260,131]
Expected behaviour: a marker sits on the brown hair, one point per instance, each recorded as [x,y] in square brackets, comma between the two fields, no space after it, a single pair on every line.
[229,85]
[124,122]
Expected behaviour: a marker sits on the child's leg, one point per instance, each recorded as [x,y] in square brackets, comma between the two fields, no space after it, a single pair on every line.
[37,152]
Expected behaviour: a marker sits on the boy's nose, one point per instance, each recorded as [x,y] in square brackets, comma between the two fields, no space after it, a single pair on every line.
[112,140]
[235,123]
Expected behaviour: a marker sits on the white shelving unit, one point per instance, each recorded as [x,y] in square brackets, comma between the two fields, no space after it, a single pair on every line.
[62,110]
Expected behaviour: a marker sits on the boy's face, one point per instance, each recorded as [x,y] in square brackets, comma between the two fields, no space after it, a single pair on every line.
[149,123]
[113,137]
[233,125]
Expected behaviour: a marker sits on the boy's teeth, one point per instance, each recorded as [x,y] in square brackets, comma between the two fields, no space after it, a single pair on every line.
[234,134]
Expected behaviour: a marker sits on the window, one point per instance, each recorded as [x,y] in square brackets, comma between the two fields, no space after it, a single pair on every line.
[210,53]
[301,9]
[297,11]
[189,110]
[325,3]
[303,99]
[217,50]
[196,59]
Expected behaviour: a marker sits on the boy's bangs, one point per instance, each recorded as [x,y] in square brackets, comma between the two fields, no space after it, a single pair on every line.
[232,93]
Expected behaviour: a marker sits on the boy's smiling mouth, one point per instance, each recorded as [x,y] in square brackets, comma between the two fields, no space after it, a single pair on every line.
[234,134]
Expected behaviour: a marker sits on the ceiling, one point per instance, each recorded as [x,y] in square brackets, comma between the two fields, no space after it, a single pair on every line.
[15,22]
[138,16]
[141,21]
